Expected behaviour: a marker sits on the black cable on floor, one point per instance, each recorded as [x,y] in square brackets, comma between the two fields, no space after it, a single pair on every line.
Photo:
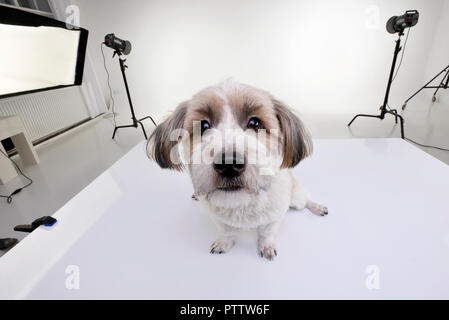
[425,146]
[30,181]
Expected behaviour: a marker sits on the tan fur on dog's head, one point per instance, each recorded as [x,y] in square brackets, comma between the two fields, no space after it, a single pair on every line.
[228,108]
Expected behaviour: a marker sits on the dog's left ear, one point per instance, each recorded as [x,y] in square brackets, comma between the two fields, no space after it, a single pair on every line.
[295,139]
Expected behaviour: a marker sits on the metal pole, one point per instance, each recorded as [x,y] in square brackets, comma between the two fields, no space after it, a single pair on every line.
[390,79]
[123,67]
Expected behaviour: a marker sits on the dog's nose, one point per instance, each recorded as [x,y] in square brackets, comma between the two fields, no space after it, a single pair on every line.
[230,166]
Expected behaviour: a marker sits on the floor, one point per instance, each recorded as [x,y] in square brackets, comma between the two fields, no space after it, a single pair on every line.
[88,151]
[425,122]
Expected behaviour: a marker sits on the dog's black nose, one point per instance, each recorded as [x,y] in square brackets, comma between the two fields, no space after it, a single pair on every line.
[230,166]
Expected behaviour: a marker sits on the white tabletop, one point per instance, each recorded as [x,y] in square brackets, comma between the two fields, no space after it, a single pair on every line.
[135,233]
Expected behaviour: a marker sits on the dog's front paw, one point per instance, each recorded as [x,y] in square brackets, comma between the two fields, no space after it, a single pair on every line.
[267,249]
[221,245]
[317,209]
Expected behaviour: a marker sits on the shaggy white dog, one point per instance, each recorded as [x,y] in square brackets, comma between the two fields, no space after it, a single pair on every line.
[238,143]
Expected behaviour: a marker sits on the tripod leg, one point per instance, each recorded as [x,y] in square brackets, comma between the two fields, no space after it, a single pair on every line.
[395,113]
[447,80]
[424,87]
[121,127]
[402,127]
[362,115]
[149,117]
[143,129]
[443,84]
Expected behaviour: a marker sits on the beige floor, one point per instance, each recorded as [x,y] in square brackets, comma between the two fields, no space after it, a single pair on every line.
[425,122]
[70,163]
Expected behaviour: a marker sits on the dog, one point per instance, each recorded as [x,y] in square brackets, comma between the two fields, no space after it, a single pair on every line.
[238,144]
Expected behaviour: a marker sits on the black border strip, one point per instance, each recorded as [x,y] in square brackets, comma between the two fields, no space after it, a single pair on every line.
[279,309]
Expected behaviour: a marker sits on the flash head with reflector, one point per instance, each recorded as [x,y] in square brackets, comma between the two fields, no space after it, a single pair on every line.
[119,45]
[400,23]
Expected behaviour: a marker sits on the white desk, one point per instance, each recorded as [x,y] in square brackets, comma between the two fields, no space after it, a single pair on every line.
[135,233]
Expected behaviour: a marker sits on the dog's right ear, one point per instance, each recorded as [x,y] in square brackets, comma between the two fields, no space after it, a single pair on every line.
[160,144]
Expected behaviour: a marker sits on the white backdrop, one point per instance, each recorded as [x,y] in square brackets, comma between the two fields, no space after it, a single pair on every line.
[321,57]
[439,56]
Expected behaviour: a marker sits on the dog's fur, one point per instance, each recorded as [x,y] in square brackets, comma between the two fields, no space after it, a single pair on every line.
[261,196]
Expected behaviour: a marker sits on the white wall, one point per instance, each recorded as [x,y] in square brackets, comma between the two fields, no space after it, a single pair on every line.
[439,54]
[46,113]
[319,56]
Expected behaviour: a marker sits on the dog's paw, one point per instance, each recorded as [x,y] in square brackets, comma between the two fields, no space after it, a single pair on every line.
[317,209]
[221,245]
[194,198]
[267,250]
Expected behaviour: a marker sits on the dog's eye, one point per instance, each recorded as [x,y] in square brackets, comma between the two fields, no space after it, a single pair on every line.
[254,123]
[205,125]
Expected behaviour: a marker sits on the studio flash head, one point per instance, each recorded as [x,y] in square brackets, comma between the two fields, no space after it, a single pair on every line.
[119,45]
[399,24]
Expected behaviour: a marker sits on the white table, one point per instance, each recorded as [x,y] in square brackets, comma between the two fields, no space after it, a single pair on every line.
[135,233]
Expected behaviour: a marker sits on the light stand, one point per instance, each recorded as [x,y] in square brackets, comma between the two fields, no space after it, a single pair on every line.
[443,85]
[136,122]
[384,109]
